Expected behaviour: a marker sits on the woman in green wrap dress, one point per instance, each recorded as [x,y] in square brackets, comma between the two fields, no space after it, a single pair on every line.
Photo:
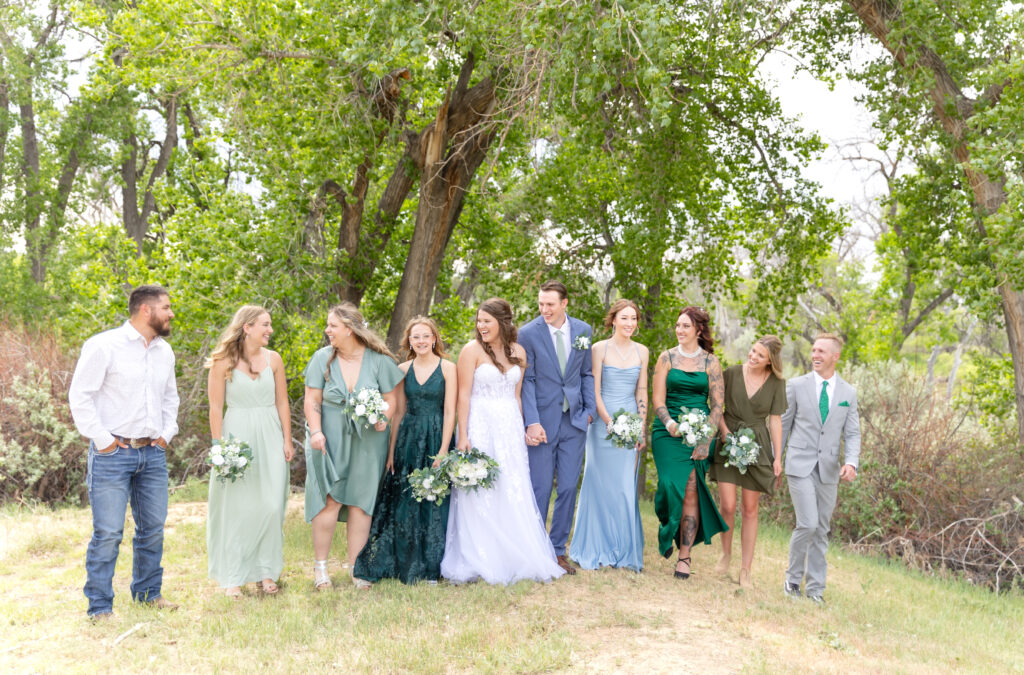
[687,375]
[344,461]
[754,392]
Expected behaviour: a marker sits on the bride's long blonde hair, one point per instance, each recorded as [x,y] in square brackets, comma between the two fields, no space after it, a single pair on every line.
[231,345]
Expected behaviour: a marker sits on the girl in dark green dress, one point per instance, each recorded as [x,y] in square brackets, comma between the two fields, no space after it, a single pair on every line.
[407,537]
[344,461]
[754,392]
[688,375]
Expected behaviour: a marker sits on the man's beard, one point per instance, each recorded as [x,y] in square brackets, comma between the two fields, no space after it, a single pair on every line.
[163,329]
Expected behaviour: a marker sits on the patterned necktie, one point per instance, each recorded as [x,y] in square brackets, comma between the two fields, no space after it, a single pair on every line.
[562,360]
[823,401]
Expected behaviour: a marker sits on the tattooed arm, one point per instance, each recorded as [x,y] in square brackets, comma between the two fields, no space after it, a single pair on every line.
[658,393]
[716,402]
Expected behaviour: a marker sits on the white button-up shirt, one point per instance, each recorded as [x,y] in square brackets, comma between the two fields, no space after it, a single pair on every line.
[565,337]
[123,387]
[818,379]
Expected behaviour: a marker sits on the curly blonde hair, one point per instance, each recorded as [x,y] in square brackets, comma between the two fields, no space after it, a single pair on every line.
[231,345]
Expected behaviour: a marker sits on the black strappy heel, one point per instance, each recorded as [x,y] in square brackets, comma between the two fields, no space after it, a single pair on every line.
[682,575]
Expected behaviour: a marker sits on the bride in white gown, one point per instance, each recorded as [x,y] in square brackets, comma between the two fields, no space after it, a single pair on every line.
[496,534]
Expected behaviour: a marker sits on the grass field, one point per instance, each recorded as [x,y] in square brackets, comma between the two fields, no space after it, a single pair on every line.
[879,617]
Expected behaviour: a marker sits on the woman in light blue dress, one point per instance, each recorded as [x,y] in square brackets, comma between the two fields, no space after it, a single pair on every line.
[608,530]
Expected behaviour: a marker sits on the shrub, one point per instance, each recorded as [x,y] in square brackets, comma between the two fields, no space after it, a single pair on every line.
[934,488]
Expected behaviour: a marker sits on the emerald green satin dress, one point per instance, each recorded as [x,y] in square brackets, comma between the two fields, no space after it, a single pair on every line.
[672,458]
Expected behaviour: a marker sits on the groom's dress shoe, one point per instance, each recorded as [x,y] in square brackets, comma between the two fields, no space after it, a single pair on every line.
[564,563]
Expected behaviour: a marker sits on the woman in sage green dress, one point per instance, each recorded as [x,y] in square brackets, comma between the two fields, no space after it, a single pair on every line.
[244,527]
[687,375]
[407,537]
[344,461]
[754,392]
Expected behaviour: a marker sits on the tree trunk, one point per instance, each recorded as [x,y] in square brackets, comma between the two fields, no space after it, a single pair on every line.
[952,108]
[136,220]
[33,193]
[463,127]
[5,126]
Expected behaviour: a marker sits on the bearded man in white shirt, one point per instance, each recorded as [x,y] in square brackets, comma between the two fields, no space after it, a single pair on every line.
[124,399]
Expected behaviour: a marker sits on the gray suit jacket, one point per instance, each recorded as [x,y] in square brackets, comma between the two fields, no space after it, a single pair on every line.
[807,441]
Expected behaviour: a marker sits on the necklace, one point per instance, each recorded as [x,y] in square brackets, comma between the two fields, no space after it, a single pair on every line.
[689,355]
[617,351]
[747,378]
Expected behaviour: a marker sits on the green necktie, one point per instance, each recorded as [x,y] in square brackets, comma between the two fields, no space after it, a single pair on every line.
[823,401]
[562,360]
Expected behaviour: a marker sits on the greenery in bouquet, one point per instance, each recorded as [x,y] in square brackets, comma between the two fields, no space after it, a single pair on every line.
[470,470]
[626,429]
[694,426]
[229,460]
[430,484]
[741,449]
[366,407]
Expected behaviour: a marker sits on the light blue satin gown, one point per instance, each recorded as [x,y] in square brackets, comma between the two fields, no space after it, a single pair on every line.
[608,530]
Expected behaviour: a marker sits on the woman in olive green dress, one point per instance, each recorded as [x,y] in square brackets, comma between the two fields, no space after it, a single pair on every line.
[344,461]
[244,527]
[754,392]
[687,375]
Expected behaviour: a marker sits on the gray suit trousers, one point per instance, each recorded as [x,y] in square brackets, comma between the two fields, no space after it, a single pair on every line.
[813,503]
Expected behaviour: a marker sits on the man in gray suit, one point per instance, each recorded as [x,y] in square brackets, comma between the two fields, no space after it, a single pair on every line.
[822,412]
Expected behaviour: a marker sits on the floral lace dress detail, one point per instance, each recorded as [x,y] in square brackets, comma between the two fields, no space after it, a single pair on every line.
[496,535]
[407,537]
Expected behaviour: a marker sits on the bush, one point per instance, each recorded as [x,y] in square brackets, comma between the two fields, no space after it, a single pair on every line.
[935,487]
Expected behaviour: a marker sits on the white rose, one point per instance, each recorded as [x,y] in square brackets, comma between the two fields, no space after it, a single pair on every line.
[431,498]
[242,461]
[360,410]
[384,406]
[428,481]
[372,418]
[744,440]
[216,450]
[691,439]
[217,460]
[363,395]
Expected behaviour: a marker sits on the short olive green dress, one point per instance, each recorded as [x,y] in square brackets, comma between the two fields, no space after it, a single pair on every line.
[351,470]
[672,458]
[750,413]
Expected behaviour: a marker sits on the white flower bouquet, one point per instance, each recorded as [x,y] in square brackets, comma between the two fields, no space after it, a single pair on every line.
[694,426]
[741,449]
[429,484]
[626,429]
[230,459]
[366,407]
[470,470]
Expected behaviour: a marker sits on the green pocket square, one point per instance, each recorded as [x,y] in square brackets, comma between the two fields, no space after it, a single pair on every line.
[844,404]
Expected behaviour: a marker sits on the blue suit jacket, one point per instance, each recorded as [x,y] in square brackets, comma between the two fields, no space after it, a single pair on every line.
[544,386]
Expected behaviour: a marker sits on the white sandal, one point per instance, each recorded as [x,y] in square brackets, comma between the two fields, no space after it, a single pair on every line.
[321,579]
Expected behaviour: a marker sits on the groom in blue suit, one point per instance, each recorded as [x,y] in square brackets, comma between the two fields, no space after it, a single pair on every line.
[558,406]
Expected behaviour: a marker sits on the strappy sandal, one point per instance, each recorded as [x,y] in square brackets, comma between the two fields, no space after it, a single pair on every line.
[682,575]
[234,593]
[269,587]
[361,584]
[321,579]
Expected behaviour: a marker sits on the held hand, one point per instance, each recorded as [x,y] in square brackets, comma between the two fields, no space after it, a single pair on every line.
[847,473]
[390,466]
[607,419]
[535,435]
[641,444]
[317,441]
[464,445]
[289,450]
[673,428]
[777,468]
[437,460]
[381,425]
[590,419]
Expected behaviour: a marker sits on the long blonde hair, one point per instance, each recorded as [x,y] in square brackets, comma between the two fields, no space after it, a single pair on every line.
[351,317]
[438,348]
[231,345]
[774,347]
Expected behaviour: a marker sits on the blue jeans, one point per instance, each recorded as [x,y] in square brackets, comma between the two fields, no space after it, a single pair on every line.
[127,475]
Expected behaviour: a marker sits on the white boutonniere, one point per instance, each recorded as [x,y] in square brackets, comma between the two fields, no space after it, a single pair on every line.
[581,342]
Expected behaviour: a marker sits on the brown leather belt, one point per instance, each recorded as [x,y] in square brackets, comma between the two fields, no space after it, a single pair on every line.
[136,442]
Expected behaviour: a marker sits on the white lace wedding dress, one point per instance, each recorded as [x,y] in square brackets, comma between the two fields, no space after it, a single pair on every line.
[496,534]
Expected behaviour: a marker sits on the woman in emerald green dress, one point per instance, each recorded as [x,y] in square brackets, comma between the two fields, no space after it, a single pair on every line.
[407,537]
[687,375]
[344,461]
[244,535]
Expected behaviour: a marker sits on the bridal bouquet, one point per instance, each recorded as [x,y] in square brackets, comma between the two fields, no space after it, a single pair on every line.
[366,407]
[694,426]
[626,429]
[470,470]
[741,449]
[430,484]
[229,460]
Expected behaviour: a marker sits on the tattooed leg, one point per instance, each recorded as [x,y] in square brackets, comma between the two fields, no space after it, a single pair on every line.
[688,525]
